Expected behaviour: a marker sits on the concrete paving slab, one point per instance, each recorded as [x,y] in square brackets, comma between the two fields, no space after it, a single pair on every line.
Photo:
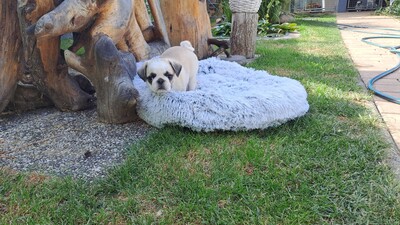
[386,107]
[393,87]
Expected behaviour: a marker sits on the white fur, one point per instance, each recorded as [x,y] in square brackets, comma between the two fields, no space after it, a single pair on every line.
[228,97]
[156,68]
[187,45]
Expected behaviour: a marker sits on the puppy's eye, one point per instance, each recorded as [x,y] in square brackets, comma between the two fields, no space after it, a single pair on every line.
[169,76]
[151,77]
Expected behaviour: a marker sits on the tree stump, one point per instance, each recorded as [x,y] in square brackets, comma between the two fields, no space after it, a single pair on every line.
[244,27]
[244,34]
[188,20]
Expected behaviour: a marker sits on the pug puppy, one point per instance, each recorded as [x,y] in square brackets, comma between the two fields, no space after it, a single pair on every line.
[174,70]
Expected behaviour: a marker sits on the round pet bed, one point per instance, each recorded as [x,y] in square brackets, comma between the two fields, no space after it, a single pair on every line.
[228,97]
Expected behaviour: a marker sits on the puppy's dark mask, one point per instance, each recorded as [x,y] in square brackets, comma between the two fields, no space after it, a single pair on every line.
[151,77]
[168,75]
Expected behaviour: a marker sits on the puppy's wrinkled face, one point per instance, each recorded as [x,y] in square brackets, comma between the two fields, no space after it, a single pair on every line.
[159,75]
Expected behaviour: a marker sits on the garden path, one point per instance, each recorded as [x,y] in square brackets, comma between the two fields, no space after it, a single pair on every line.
[371,61]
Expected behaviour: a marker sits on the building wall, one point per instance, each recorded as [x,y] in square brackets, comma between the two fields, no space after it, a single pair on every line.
[331,5]
[316,5]
[342,6]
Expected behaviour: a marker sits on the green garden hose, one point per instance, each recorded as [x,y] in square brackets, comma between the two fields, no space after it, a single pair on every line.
[392,49]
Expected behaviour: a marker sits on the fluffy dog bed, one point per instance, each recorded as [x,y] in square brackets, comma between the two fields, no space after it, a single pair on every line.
[228,97]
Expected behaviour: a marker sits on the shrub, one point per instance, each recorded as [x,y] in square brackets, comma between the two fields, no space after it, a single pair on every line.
[393,9]
[222,29]
[272,9]
[264,28]
[226,10]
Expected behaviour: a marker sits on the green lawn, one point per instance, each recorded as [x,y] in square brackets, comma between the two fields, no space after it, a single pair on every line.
[324,168]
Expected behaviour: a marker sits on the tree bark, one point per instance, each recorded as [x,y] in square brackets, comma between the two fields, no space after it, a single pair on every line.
[42,61]
[244,34]
[10,47]
[188,20]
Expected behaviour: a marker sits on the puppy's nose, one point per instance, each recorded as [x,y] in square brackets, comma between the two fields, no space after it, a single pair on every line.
[160,81]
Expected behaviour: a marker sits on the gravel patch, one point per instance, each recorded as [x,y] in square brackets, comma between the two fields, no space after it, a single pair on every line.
[65,143]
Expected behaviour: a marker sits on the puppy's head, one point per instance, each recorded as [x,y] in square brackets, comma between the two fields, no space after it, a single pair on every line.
[159,74]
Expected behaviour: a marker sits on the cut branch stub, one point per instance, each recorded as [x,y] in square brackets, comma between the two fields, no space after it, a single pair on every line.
[69,16]
[111,73]
[223,46]
[112,79]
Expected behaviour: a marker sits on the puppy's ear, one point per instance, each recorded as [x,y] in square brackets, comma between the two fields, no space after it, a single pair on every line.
[176,67]
[143,71]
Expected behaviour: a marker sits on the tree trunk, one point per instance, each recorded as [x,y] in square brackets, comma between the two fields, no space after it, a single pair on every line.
[244,34]
[159,21]
[144,21]
[28,97]
[188,20]
[42,60]
[10,47]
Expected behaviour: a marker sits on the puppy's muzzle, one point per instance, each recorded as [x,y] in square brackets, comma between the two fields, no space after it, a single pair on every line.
[160,81]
